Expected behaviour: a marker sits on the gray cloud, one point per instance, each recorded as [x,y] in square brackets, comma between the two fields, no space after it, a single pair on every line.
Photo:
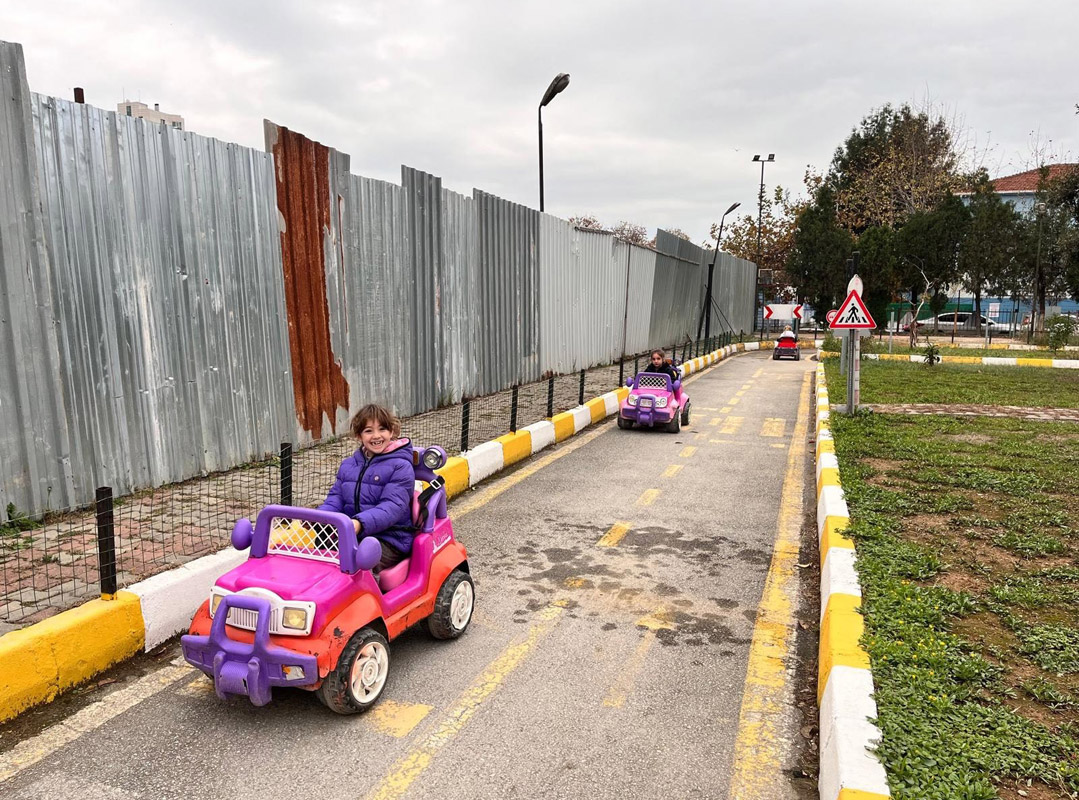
[667,105]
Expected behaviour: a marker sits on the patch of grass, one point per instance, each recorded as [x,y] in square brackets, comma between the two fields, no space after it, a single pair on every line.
[976,352]
[906,382]
[984,503]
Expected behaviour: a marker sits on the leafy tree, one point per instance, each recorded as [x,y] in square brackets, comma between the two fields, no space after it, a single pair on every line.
[587,222]
[633,233]
[896,163]
[928,244]
[820,249]
[1064,196]
[878,268]
[779,215]
[992,244]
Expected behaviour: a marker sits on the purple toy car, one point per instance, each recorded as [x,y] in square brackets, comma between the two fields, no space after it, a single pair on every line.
[305,610]
[654,400]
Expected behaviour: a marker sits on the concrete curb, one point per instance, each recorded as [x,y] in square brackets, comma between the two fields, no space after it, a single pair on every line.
[989,361]
[40,661]
[848,767]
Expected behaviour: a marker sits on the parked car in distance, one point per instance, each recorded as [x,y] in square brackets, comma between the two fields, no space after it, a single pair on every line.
[963,320]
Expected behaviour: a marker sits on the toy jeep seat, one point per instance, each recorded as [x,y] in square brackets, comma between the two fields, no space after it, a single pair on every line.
[422,553]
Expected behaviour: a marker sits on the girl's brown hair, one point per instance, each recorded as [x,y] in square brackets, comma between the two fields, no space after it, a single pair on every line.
[378,414]
[662,354]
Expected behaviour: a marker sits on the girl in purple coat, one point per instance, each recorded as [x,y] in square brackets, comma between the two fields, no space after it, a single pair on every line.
[375,484]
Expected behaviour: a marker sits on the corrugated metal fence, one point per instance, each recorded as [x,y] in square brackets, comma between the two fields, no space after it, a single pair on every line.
[151,326]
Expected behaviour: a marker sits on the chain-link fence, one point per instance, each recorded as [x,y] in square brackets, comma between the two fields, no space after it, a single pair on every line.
[54,562]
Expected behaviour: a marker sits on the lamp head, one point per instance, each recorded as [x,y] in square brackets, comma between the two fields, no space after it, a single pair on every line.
[560,82]
[729,210]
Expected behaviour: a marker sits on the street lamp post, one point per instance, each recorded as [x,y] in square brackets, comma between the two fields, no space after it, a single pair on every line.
[706,312]
[760,216]
[560,82]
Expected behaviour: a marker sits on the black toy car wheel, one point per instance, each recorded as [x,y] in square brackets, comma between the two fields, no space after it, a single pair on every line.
[453,606]
[625,424]
[356,683]
[685,415]
[674,426]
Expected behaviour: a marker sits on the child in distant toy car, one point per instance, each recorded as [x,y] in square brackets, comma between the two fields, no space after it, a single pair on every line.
[375,484]
[657,362]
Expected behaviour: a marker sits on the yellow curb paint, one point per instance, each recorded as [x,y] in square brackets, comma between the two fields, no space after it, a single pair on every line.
[1034,362]
[398,719]
[42,660]
[773,426]
[515,447]
[829,476]
[732,425]
[688,451]
[673,469]
[622,393]
[841,629]
[613,536]
[758,745]
[833,536]
[965,359]
[405,772]
[563,426]
[825,446]
[858,794]
[648,497]
[597,408]
[456,475]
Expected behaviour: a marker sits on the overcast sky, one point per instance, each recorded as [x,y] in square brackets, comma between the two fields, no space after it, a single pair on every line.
[667,105]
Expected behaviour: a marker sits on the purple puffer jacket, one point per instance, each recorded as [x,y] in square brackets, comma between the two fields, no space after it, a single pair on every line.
[378,492]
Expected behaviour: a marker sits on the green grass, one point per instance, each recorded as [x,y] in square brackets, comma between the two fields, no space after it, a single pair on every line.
[906,382]
[976,352]
[976,686]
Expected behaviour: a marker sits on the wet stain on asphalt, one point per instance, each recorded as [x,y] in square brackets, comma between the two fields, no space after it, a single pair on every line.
[753,556]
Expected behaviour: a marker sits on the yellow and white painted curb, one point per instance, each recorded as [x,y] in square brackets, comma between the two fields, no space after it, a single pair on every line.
[988,361]
[849,770]
[41,661]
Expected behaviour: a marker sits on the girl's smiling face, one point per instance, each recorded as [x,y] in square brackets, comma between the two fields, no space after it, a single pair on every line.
[375,437]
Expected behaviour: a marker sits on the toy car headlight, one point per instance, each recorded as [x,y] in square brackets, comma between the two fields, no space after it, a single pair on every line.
[294,618]
[661,402]
[434,458]
[215,601]
[632,399]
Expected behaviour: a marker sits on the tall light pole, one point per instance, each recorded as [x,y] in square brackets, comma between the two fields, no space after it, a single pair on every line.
[760,216]
[560,82]
[707,310]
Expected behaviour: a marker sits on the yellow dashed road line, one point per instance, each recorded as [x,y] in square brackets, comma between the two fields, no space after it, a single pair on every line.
[773,426]
[648,497]
[725,410]
[674,469]
[398,719]
[758,373]
[734,401]
[687,451]
[614,535]
[732,425]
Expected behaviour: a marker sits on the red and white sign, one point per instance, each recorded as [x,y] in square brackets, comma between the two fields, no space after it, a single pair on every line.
[782,311]
[831,315]
[852,314]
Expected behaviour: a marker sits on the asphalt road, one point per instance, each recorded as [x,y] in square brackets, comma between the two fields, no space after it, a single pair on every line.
[618,581]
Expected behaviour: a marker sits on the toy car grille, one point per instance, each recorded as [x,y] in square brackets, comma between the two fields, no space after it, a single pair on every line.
[247,619]
[651,381]
[314,540]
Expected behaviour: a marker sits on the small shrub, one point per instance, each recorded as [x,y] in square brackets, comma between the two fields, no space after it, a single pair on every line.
[1058,331]
[931,354]
[831,343]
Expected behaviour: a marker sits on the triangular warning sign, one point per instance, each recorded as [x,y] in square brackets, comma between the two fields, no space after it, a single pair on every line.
[852,314]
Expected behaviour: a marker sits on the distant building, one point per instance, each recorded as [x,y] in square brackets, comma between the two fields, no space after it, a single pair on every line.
[1019,189]
[132,108]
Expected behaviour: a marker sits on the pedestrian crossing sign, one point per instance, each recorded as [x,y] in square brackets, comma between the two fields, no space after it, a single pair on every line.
[852,314]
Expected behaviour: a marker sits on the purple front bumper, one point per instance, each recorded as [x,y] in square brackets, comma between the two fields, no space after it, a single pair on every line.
[248,669]
[648,415]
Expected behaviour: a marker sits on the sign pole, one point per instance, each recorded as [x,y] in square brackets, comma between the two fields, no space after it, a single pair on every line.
[857,370]
[852,343]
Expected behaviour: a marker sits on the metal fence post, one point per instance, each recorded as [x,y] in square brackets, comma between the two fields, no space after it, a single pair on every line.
[580,394]
[636,365]
[465,413]
[550,397]
[285,473]
[106,541]
[622,372]
[513,410]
